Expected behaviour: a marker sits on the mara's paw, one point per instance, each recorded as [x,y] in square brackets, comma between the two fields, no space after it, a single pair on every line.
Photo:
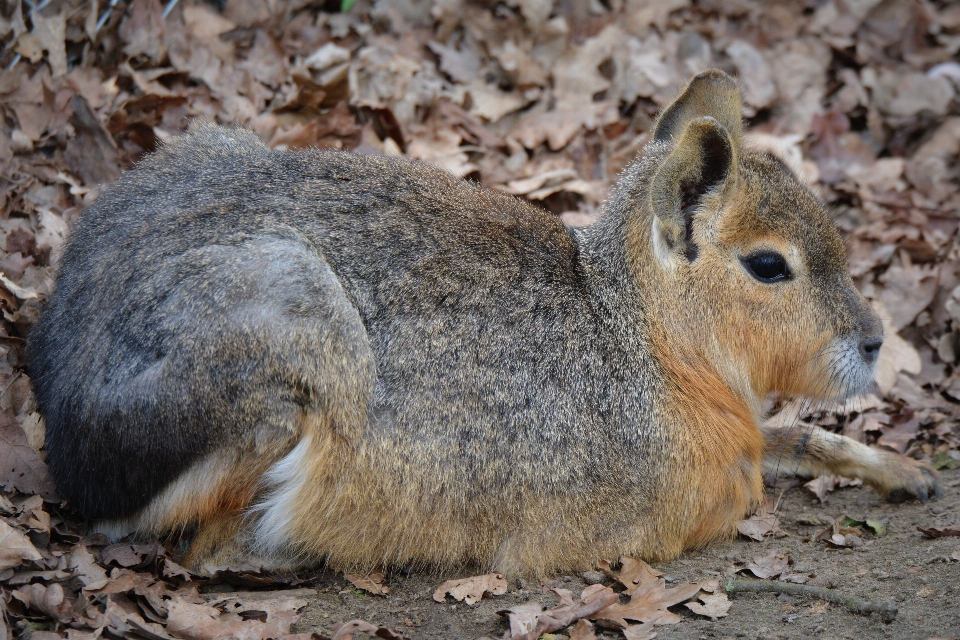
[903,478]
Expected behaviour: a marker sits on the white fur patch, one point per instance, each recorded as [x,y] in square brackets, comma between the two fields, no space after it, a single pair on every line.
[284,482]
[161,514]
[660,247]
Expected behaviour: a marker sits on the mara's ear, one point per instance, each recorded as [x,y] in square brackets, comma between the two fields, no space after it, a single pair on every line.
[711,93]
[701,161]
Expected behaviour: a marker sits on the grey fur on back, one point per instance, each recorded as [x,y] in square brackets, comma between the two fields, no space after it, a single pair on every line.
[221,289]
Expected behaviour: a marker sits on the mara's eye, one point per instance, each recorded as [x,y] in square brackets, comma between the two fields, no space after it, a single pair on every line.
[767,266]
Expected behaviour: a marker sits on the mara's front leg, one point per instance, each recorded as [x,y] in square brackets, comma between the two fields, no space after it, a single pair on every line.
[811,451]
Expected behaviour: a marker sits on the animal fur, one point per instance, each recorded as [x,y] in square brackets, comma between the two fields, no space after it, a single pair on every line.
[317,355]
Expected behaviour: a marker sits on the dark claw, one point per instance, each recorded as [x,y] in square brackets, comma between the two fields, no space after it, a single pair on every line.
[922,495]
[937,490]
[899,495]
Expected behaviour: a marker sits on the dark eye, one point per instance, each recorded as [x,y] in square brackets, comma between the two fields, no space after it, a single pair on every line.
[767,266]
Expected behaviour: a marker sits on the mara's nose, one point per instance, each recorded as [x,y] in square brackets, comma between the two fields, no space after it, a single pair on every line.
[870,348]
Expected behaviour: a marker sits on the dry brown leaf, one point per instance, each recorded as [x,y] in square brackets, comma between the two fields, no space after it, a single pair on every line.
[756,76]
[940,532]
[899,436]
[638,632]
[528,621]
[522,618]
[769,566]
[200,622]
[471,590]
[91,575]
[649,597]
[908,289]
[823,485]
[763,522]
[714,605]
[463,65]
[143,28]
[125,554]
[584,630]
[370,582]
[50,600]
[21,469]
[51,34]
[15,547]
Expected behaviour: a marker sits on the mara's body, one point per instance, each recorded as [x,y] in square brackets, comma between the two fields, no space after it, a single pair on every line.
[308,355]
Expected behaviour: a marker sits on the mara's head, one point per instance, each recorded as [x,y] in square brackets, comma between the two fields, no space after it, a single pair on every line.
[744,265]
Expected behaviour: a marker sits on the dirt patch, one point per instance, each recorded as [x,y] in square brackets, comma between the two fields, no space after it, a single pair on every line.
[903,566]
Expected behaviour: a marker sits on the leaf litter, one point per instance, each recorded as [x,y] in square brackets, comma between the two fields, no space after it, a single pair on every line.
[541,99]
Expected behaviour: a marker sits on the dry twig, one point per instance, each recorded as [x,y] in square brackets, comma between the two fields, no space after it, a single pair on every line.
[886,609]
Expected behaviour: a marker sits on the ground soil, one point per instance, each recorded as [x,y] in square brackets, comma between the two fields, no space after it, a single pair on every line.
[905,567]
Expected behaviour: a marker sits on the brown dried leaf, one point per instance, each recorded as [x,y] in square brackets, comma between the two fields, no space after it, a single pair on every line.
[584,630]
[91,575]
[471,590]
[21,469]
[462,65]
[649,600]
[15,547]
[714,605]
[638,632]
[899,436]
[92,153]
[143,28]
[908,289]
[50,600]
[529,622]
[823,485]
[940,532]
[51,33]
[769,566]
[763,522]
[200,622]
[126,554]
[371,582]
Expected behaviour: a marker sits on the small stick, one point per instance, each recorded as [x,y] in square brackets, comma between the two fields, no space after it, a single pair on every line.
[887,610]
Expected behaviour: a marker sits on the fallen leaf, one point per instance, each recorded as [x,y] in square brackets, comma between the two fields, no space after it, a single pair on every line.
[649,597]
[899,436]
[714,605]
[90,574]
[50,32]
[346,631]
[370,582]
[823,485]
[143,28]
[15,547]
[471,590]
[529,621]
[763,522]
[940,532]
[584,630]
[130,555]
[21,469]
[769,566]
[908,289]
[638,632]
[50,600]
[201,622]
